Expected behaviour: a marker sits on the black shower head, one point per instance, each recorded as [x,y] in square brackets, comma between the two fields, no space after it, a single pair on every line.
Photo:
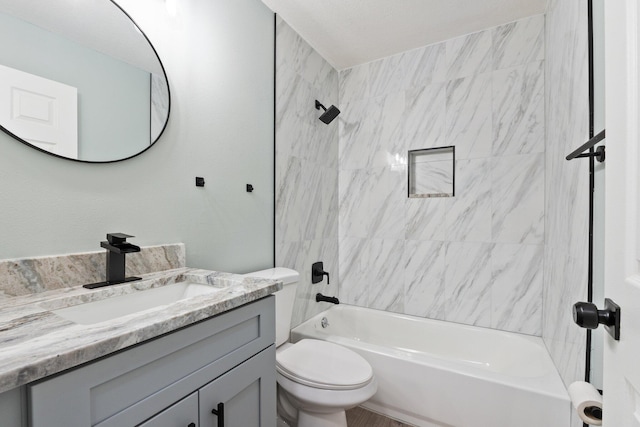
[329,114]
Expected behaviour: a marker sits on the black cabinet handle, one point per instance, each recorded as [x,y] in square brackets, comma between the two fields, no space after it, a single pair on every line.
[219,413]
[192,425]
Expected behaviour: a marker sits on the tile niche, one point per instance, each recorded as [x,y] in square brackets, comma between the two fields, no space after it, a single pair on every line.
[432,172]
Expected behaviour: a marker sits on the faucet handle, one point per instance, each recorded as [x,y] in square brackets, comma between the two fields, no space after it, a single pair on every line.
[318,273]
[117,238]
[117,242]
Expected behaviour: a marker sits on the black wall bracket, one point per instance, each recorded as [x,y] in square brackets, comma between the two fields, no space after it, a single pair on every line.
[598,154]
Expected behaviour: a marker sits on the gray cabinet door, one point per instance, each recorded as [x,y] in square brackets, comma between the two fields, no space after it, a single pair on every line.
[247,393]
[182,414]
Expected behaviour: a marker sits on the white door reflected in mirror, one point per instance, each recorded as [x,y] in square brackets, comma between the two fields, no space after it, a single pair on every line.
[42,111]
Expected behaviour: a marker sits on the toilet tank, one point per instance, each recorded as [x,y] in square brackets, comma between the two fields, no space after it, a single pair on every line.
[284,298]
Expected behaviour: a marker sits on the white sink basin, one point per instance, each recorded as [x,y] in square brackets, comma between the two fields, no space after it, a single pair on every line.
[114,307]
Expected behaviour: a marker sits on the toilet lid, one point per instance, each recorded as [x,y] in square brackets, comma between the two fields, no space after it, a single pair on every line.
[323,364]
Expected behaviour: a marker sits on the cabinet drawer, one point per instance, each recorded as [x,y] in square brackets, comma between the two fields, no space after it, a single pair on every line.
[182,414]
[129,387]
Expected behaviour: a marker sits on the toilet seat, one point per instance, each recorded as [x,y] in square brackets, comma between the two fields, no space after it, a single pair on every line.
[323,365]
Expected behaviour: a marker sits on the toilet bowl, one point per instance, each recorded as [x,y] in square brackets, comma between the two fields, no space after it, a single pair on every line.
[317,380]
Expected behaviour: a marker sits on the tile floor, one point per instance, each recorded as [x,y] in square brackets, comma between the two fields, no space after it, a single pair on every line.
[358,417]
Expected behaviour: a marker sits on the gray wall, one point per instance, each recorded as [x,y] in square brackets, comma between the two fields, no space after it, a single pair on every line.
[219,59]
[567,185]
[106,87]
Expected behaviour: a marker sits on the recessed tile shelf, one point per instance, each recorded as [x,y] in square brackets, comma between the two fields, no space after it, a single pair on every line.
[432,172]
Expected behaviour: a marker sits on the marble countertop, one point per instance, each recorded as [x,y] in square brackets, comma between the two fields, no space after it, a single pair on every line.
[35,342]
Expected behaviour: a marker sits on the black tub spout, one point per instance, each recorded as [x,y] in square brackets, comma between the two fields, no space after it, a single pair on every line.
[320,297]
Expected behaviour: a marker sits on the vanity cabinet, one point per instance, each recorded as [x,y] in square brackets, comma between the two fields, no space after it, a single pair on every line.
[182,414]
[175,380]
[241,395]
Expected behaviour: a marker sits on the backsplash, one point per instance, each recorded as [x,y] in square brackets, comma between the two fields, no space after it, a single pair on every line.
[476,258]
[32,275]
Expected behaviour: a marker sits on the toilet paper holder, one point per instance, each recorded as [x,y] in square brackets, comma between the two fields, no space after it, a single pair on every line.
[593,412]
[587,401]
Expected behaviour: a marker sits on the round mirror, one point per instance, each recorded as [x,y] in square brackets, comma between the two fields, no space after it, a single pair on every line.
[79,80]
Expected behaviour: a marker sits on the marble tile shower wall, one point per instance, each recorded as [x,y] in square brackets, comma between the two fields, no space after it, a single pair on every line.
[306,168]
[567,184]
[476,258]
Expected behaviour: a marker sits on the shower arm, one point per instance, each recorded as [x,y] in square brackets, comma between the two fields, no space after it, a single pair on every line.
[319,105]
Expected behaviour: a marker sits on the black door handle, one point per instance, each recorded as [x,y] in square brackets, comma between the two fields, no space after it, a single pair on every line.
[587,315]
[219,413]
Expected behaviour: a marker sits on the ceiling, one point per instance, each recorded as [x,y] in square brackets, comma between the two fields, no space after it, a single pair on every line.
[352,32]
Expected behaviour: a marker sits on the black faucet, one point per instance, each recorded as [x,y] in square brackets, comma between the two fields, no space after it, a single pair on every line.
[318,273]
[117,247]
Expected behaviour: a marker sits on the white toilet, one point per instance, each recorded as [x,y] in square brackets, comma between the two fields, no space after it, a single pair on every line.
[317,380]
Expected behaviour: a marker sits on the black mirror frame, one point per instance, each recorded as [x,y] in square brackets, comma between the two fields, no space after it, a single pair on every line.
[164,72]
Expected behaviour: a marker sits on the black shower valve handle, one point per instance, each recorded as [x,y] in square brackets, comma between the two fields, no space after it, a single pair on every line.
[318,273]
[324,273]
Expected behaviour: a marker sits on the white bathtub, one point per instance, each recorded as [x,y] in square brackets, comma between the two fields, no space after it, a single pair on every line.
[432,373]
